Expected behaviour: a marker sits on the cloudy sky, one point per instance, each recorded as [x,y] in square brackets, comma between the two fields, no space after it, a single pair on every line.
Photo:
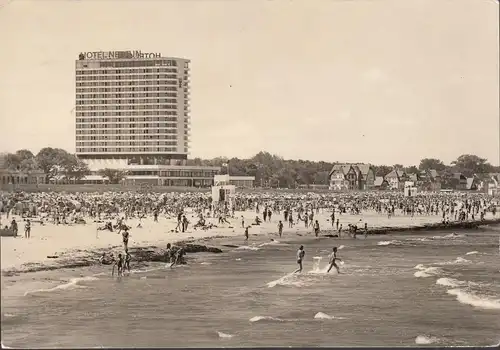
[380,81]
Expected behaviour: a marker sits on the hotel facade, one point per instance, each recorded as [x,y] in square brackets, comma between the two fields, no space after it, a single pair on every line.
[132,114]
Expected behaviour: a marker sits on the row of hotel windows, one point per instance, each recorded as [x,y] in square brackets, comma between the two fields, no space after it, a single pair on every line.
[126,149]
[126,71]
[129,82]
[126,120]
[123,107]
[124,131]
[125,101]
[133,83]
[134,63]
[127,113]
[125,143]
[128,77]
[127,137]
[118,93]
[125,125]
[127,88]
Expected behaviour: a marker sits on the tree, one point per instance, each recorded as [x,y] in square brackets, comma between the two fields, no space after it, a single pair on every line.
[114,176]
[398,167]
[75,169]
[53,161]
[411,170]
[431,164]
[470,164]
[382,170]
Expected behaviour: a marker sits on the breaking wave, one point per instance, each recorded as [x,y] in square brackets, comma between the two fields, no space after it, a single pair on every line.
[72,283]
[266,318]
[393,242]
[480,302]
[323,316]
[423,340]
[426,271]
[224,335]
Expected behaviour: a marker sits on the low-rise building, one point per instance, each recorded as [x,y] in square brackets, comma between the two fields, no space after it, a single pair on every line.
[396,179]
[237,181]
[352,177]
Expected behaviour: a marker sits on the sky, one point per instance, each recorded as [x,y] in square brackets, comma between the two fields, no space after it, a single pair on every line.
[374,81]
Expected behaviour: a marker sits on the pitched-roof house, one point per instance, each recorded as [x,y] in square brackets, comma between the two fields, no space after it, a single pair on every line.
[396,179]
[352,177]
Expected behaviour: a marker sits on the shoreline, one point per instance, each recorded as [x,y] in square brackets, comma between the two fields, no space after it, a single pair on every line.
[148,253]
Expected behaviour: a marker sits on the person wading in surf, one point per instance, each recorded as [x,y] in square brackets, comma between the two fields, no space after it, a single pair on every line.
[300,256]
[332,257]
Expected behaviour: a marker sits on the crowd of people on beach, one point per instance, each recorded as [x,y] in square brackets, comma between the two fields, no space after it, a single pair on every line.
[110,211]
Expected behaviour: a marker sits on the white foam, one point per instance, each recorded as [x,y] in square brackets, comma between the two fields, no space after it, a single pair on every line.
[238,259]
[72,283]
[265,318]
[273,242]
[471,253]
[5,346]
[384,243]
[224,335]
[426,271]
[206,263]
[475,300]
[450,236]
[423,340]
[341,247]
[457,261]
[246,247]
[323,316]
[450,282]
[291,279]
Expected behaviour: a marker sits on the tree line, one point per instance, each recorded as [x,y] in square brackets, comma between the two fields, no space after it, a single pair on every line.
[268,169]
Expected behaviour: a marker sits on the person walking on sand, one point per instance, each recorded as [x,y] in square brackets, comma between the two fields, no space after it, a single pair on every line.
[27,229]
[125,235]
[316,228]
[280,228]
[300,257]
[332,257]
[246,233]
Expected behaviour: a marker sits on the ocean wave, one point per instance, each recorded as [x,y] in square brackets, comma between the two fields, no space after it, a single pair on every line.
[206,263]
[238,259]
[426,271]
[72,283]
[481,302]
[323,316]
[247,247]
[291,279]
[471,253]
[423,340]
[341,247]
[266,318]
[450,282]
[393,242]
[420,239]
[224,335]
[450,236]
[272,242]
[458,260]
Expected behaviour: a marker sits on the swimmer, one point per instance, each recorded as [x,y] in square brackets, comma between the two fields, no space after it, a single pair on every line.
[332,257]
[300,256]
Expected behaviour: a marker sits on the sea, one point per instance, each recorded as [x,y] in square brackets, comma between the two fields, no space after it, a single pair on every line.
[426,289]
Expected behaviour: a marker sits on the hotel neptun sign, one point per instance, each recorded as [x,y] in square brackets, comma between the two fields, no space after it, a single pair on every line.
[117,55]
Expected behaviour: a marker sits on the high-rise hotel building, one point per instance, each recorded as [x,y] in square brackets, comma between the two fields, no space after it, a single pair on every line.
[132,105]
[132,113]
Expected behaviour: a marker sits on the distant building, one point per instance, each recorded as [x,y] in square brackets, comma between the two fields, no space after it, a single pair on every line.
[380,183]
[352,177]
[459,181]
[237,181]
[11,178]
[396,179]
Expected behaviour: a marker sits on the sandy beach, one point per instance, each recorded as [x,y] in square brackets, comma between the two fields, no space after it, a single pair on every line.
[76,240]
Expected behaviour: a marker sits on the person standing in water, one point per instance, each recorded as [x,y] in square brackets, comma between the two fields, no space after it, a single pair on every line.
[246,233]
[332,257]
[300,257]
[119,264]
